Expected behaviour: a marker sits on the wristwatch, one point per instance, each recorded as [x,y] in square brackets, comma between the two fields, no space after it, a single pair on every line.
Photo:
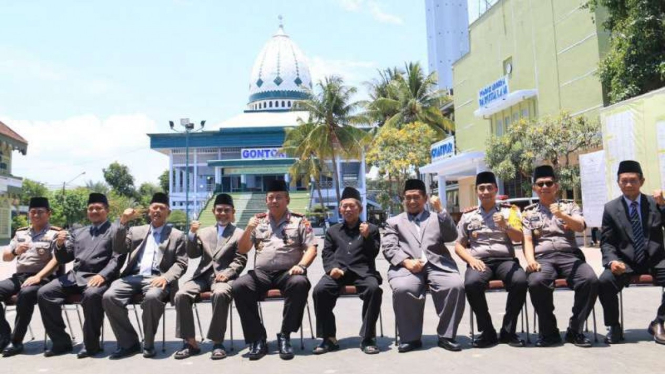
[303,267]
[14,252]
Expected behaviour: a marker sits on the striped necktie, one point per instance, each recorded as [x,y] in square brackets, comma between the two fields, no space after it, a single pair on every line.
[638,233]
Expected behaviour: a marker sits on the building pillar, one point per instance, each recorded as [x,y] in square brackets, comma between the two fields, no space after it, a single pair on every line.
[442,190]
[171,179]
[287,180]
[243,182]
[176,176]
[195,176]
[362,187]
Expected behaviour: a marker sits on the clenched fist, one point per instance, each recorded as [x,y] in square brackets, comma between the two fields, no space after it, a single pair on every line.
[658,196]
[364,229]
[253,222]
[436,204]
[555,208]
[62,237]
[128,215]
[194,226]
[499,220]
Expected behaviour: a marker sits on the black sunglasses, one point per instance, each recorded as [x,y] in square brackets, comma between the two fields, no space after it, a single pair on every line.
[543,184]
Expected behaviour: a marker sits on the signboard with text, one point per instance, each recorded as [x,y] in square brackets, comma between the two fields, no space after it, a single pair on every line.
[493,92]
[260,153]
[443,149]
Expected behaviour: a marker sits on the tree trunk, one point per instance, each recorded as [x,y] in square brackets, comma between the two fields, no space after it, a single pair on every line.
[335,175]
[318,191]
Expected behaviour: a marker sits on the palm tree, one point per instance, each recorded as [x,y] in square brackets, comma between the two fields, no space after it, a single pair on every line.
[382,88]
[333,115]
[297,145]
[411,97]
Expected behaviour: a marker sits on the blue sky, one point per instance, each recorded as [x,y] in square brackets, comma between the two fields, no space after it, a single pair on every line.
[84,81]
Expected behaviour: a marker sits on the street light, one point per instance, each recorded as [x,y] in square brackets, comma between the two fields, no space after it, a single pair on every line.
[189,127]
[63,197]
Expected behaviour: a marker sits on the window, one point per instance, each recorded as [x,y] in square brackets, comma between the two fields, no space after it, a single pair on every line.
[270,104]
[499,127]
[283,106]
[289,102]
[525,113]
[516,117]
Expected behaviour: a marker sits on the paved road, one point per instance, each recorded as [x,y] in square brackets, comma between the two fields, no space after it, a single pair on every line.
[639,354]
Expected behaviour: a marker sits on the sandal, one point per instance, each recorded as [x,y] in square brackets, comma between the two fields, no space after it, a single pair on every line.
[326,345]
[218,352]
[369,346]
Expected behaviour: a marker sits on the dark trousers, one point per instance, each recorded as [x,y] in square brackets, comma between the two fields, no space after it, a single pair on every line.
[25,305]
[610,285]
[513,277]
[250,288]
[52,295]
[580,277]
[325,297]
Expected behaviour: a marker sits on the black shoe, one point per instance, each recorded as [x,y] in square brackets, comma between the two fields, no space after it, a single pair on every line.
[485,340]
[125,352]
[187,351]
[13,349]
[58,350]
[579,339]
[409,346]
[658,331]
[4,342]
[218,352]
[83,353]
[325,346]
[284,345]
[549,341]
[149,352]
[257,350]
[450,344]
[613,335]
[369,346]
[511,339]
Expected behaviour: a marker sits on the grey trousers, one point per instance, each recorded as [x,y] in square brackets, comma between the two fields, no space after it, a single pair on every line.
[447,291]
[221,300]
[115,302]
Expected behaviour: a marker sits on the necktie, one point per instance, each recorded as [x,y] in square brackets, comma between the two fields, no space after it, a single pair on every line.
[638,234]
[94,231]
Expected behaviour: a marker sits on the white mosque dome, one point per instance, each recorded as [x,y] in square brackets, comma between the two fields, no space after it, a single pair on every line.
[280,75]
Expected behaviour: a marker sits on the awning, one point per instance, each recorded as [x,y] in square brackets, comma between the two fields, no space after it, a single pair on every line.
[460,166]
[505,103]
[253,167]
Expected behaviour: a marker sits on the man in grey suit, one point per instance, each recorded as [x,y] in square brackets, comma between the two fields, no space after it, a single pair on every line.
[414,244]
[632,244]
[97,262]
[220,264]
[157,259]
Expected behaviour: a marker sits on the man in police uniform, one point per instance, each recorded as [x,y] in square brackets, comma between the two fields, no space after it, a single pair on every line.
[348,256]
[94,250]
[31,247]
[220,264]
[157,259]
[485,242]
[284,243]
[632,244]
[551,252]
[414,244]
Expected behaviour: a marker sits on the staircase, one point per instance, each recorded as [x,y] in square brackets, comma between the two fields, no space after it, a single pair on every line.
[248,204]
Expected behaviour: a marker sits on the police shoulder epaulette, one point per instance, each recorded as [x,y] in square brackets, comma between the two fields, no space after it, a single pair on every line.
[261,215]
[23,228]
[506,205]
[470,209]
[532,206]
[299,215]
[56,228]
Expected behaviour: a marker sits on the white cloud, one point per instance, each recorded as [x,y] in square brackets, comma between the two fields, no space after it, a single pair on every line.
[373,7]
[60,150]
[353,72]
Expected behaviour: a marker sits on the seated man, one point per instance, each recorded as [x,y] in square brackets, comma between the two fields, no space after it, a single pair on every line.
[220,264]
[632,244]
[157,259]
[284,243]
[551,252]
[348,254]
[94,251]
[485,243]
[414,244]
[35,263]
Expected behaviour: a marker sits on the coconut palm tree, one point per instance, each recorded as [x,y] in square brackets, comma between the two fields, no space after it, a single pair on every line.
[297,145]
[412,97]
[334,115]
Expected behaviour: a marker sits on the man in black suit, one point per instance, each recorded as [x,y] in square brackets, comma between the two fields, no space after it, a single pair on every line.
[349,251]
[631,243]
[97,262]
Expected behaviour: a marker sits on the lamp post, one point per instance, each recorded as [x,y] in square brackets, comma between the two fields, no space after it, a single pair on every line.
[189,128]
[64,197]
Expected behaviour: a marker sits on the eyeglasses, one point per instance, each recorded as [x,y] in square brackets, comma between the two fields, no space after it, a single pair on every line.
[96,209]
[37,212]
[627,181]
[545,184]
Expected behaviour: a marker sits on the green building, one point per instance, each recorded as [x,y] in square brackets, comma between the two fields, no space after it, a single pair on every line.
[527,58]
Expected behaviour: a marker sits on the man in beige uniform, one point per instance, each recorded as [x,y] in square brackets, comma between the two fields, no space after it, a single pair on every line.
[551,252]
[485,242]
[284,243]
[31,247]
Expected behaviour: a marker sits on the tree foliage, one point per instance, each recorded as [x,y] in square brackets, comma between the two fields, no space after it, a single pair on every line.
[164,181]
[120,179]
[552,140]
[635,62]
[32,189]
